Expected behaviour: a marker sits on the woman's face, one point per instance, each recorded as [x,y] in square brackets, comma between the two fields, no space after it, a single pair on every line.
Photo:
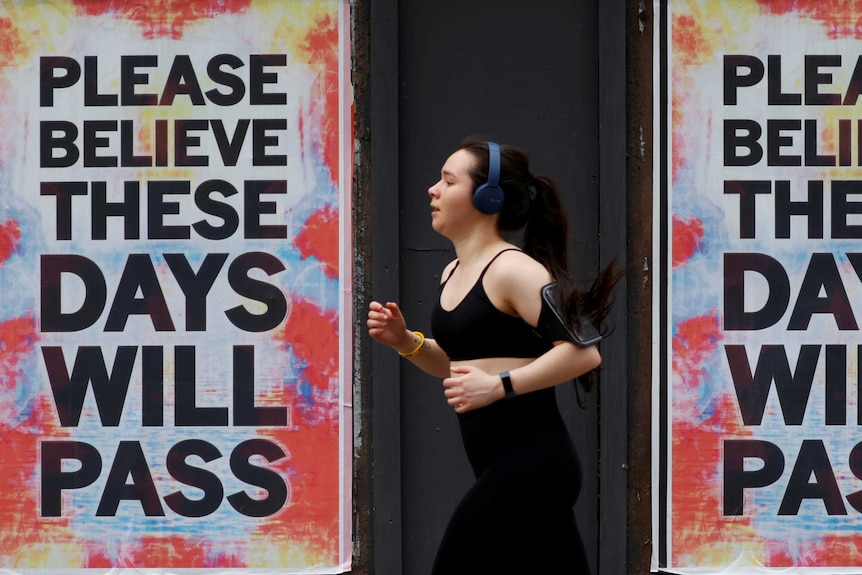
[452,196]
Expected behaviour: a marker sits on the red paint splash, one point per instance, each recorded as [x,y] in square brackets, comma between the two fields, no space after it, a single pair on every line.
[173,551]
[10,43]
[319,239]
[321,45]
[10,235]
[698,522]
[19,494]
[695,340]
[839,550]
[697,497]
[841,19]
[689,41]
[18,338]
[312,333]
[691,46]
[687,239]
[311,515]
[162,18]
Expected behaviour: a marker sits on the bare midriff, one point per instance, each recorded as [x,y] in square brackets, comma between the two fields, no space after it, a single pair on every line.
[495,364]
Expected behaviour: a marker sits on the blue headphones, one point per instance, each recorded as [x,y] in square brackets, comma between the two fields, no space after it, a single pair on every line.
[489,197]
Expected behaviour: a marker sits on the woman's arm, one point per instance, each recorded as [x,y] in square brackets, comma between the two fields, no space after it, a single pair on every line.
[386,324]
[565,361]
[514,286]
[470,387]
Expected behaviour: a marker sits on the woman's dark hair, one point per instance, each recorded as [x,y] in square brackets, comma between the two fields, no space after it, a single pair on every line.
[533,204]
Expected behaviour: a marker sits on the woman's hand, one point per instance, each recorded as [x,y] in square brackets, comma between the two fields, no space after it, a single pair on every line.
[470,388]
[386,325]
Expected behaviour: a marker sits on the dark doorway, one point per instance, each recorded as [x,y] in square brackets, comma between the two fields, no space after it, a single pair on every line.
[519,72]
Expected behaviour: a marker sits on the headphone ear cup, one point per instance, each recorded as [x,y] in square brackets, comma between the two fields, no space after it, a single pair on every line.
[488,198]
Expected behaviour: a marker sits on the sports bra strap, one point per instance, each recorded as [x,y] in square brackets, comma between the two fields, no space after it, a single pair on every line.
[457,263]
[481,275]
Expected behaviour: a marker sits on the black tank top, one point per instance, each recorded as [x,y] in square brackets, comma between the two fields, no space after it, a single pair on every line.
[476,329]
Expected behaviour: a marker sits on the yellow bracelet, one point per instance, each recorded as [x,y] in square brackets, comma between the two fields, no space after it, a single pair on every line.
[418,347]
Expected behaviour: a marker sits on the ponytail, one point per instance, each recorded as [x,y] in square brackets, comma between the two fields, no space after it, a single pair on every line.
[546,240]
[547,228]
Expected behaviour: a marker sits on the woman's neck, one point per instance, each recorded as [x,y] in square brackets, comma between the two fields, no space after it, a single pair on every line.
[478,245]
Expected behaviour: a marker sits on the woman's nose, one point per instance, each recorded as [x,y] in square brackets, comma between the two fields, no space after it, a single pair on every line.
[432,191]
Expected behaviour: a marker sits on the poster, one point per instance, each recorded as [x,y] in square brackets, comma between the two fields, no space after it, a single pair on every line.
[175,321]
[758,293]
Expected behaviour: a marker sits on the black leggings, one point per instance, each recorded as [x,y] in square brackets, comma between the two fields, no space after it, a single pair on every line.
[517,517]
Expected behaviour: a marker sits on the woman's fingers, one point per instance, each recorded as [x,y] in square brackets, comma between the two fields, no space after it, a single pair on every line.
[469,388]
[392,308]
[385,323]
[378,314]
[454,393]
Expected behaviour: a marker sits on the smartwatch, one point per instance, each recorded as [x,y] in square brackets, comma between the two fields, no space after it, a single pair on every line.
[507,385]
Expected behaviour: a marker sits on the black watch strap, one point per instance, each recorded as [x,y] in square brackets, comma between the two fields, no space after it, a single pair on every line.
[507,385]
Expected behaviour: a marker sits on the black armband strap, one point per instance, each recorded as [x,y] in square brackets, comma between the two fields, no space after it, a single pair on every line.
[553,327]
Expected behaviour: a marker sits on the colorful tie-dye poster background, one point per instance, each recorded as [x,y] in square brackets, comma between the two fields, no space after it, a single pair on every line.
[758,290]
[174,286]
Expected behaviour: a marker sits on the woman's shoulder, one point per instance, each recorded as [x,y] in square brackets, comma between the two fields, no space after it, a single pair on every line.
[516,268]
[514,284]
[516,261]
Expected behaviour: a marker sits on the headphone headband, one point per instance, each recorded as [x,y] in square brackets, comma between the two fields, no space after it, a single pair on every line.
[494,164]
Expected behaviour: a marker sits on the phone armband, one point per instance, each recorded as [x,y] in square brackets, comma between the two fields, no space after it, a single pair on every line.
[553,327]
